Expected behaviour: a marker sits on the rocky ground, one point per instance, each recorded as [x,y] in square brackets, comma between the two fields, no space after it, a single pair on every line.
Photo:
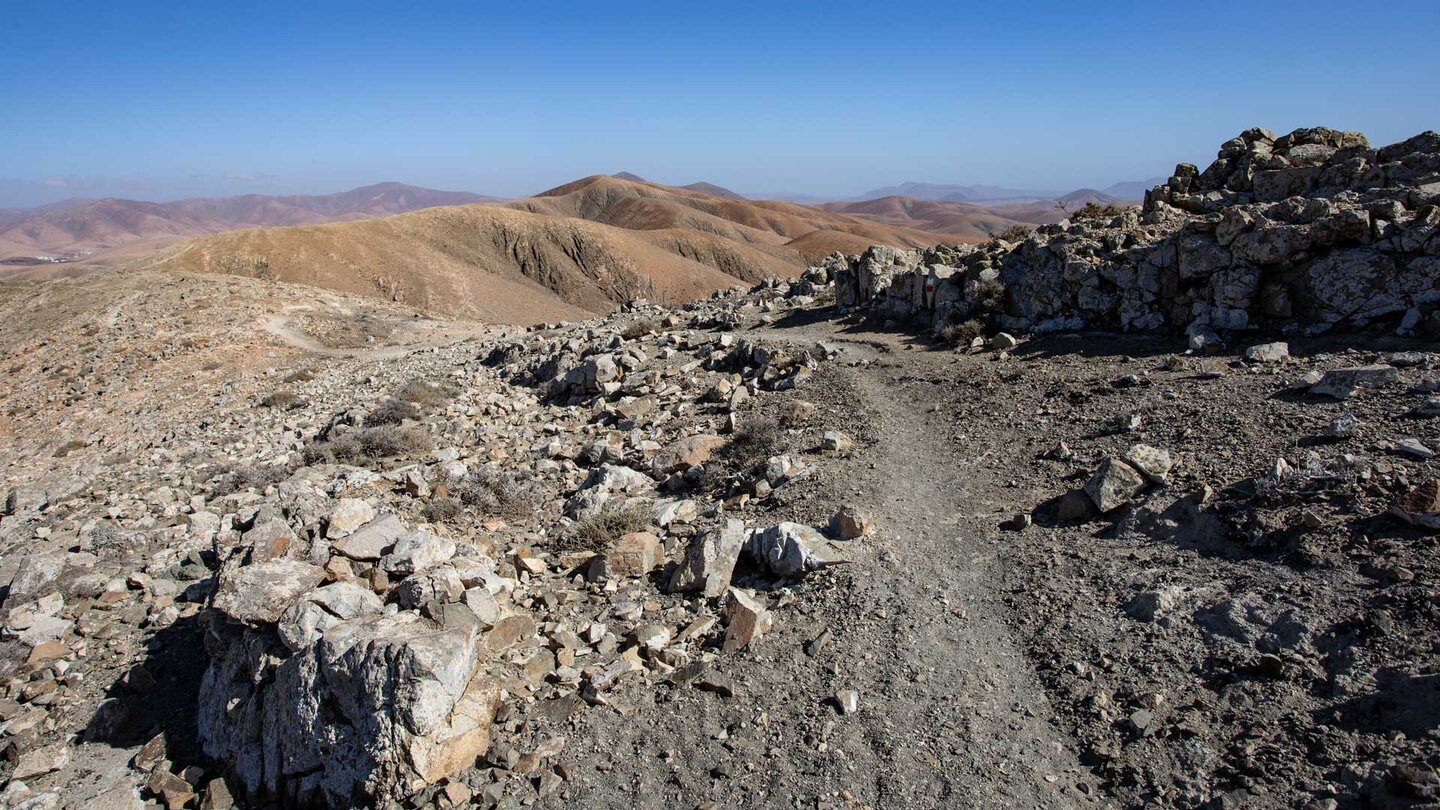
[268,546]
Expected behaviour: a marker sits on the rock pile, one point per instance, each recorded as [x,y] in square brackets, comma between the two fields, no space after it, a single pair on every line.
[405,551]
[1307,231]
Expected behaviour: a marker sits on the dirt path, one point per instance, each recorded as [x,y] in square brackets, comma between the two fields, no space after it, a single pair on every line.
[980,709]
[951,711]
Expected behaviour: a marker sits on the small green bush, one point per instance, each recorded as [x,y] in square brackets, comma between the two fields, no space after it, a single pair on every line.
[990,295]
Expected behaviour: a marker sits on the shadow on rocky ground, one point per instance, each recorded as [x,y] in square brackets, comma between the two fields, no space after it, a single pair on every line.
[158,694]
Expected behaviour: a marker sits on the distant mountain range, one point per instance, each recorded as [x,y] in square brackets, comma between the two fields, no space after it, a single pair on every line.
[949,193]
[1134,189]
[89,226]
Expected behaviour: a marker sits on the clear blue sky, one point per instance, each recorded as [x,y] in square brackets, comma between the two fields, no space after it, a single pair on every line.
[161,100]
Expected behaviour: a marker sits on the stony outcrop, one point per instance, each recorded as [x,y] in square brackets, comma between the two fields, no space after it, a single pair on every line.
[1306,232]
[322,694]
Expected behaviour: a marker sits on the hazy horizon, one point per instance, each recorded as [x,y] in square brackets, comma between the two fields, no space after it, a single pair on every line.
[827,101]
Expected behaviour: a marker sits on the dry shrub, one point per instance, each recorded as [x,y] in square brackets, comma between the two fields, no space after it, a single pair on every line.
[282,399]
[370,444]
[496,494]
[962,334]
[989,295]
[796,412]
[640,327]
[1092,212]
[442,509]
[754,442]
[238,478]
[596,533]
[391,412]
[1014,233]
[425,394]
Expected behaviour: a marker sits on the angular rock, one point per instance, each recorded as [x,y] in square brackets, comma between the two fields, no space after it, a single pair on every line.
[710,561]
[416,552]
[791,549]
[378,705]
[41,761]
[348,515]
[317,611]
[262,591]
[746,620]
[633,555]
[1152,462]
[687,453]
[1343,383]
[1277,352]
[371,541]
[833,441]
[851,523]
[1114,484]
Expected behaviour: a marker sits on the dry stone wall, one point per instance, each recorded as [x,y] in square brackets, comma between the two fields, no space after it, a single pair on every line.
[1309,231]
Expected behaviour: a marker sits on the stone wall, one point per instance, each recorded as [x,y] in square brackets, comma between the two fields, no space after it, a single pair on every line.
[1309,231]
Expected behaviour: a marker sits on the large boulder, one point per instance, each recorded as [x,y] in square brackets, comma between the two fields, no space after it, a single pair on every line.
[710,561]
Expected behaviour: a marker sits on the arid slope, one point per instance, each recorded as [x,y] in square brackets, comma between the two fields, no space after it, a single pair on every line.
[485,262]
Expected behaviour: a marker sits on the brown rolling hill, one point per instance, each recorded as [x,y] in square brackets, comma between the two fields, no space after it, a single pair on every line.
[483,261]
[101,226]
[639,205]
[573,251]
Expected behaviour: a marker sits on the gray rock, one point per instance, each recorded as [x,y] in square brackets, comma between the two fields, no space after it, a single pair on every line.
[371,541]
[1343,383]
[1427,409]
[791,549]
[348,515]
[710,561]
[416,552]
[1277,352]
[1152,462]
[1114,484]
[1341,427]
[261,592]
[376,707]
[309,617]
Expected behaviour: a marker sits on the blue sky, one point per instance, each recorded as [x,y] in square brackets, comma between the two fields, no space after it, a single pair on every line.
[163,100]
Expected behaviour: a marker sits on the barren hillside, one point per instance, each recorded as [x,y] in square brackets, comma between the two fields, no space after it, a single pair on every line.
[639,205]
[486,262]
